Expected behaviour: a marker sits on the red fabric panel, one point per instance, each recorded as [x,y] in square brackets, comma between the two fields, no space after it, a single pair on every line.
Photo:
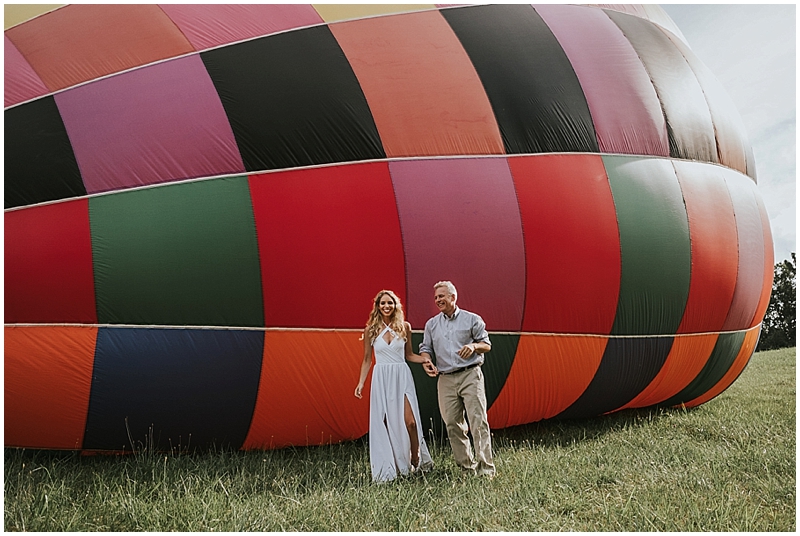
[423,91]
[305,395]
[49,275]
[712,228]
[329,240]
[460,222]
[549,374]
[624,105]
[769,264]
[750,279]
[210,25]
[82,42]
[742,358]
[48,376]
[571,243]
[686,359]
[21,83]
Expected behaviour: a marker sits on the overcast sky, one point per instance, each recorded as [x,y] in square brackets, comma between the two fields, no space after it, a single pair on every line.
[751,49]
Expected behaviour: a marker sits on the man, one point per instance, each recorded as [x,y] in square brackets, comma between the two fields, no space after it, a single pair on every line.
[459,339]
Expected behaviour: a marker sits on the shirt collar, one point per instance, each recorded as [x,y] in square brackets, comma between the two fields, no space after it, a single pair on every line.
[455,314]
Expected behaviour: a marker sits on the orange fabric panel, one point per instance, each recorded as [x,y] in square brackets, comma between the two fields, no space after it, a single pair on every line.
[769,262]
[549,374]
[742,358]
[686,359]
[305,396]
[48,377]
[82,42]
[420,61]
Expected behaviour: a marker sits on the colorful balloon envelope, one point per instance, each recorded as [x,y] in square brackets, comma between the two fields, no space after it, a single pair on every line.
[201,202]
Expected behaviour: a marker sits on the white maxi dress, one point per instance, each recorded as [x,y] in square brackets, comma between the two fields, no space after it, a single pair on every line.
[389,444]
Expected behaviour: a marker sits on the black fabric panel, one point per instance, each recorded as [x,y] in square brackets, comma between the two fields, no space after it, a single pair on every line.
[718,364]
[497,364]
[39,162]
[689,125]
[535,94]
[169,389]
[627,367]
[293,100]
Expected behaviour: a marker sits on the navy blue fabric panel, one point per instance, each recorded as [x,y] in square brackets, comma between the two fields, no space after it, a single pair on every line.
[534,91]
[718,364]
[293,100]
[39,162]
[194,388]
[627,367]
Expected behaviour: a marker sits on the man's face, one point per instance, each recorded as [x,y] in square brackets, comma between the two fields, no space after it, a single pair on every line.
[445,301]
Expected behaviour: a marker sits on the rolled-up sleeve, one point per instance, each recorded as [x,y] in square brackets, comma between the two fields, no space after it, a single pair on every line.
[479,333]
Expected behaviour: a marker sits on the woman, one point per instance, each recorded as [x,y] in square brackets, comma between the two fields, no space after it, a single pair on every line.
[396,442]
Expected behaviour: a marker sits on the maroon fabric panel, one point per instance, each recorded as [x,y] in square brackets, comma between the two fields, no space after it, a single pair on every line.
[210,25]
[329,240]
[751,252]
[461,222]
[21,81]
[49,276]
[624,105]
[572,244]
[151,125]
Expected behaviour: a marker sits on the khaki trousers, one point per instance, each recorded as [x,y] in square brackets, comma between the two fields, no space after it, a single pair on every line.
[464,394]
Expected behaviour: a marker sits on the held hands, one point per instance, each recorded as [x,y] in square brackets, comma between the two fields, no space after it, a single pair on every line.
[430,368]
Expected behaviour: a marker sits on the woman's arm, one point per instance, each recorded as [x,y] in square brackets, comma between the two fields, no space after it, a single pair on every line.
[365,364]
[410,355]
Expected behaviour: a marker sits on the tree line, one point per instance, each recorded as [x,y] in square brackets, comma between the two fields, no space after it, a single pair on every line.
[778,329]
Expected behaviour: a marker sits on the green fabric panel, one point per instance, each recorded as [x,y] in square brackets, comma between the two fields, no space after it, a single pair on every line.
[183,254]
[655,246]
[718,364]
[496,367]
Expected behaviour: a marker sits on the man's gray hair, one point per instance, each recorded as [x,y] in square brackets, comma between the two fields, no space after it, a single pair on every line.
[451,288]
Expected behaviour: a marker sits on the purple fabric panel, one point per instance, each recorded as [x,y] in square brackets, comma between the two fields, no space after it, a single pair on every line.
[210,25]
[624,105]
[21,81]
[460,222]
[161,123]
[750,275]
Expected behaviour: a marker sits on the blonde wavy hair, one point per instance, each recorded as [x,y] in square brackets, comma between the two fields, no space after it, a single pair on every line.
[375,322]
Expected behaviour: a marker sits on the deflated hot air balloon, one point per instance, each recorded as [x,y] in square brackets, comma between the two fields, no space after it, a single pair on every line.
[201,202]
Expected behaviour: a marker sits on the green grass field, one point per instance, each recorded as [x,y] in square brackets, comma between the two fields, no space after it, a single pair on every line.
[728,465]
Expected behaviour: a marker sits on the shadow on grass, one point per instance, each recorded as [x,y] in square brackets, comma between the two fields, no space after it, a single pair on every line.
[565,432]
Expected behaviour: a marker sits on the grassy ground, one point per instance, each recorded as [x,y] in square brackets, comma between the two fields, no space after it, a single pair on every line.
[728,465]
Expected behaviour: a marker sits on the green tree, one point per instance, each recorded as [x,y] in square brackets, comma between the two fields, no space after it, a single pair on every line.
[778,329]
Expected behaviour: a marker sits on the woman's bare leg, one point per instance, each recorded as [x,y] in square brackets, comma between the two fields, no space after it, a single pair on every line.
[411,426]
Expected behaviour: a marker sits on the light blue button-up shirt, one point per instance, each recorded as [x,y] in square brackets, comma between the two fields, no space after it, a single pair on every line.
[445,336]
